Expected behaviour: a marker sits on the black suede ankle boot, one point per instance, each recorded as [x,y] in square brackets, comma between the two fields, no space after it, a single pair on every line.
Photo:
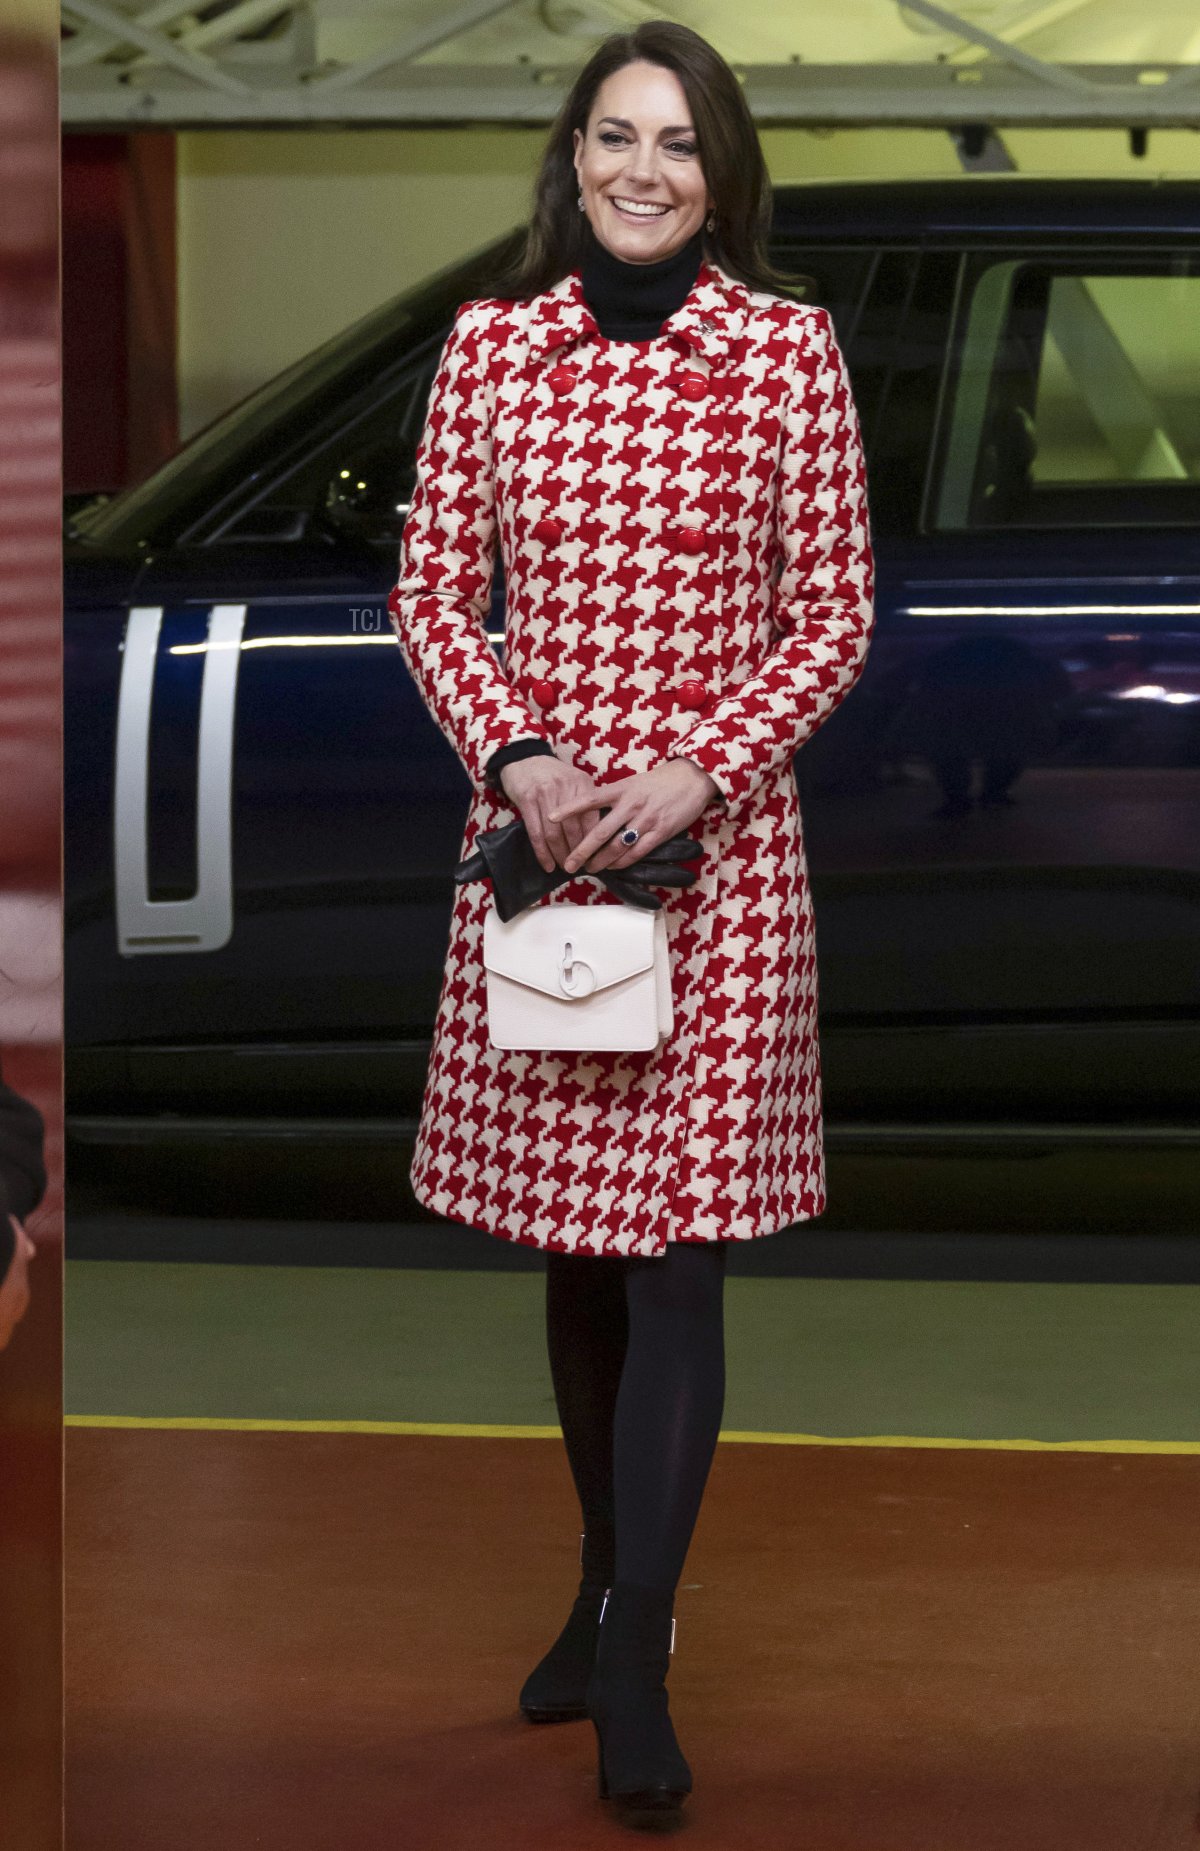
[641,1766]
[556,1688]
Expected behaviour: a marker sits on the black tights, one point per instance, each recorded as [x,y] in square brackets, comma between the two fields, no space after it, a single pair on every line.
[637,1356]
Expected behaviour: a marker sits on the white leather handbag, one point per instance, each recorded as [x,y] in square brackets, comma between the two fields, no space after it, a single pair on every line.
[584,978]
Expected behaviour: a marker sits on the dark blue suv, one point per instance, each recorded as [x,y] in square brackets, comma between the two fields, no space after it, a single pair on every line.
[1002,821]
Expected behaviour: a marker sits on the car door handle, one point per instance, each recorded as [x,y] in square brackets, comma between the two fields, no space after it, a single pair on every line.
[204,921]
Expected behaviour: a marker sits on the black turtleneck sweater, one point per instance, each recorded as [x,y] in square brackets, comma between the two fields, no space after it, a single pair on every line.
[630,303]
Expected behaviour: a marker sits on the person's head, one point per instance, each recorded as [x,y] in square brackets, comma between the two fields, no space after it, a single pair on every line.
[14,1286]
[656,117]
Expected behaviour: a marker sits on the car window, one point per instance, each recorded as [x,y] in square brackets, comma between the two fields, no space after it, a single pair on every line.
[897,358]
[1076,401]
[357,480]
[208,452]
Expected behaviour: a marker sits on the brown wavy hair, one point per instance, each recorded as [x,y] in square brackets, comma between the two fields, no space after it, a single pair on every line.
[726,140]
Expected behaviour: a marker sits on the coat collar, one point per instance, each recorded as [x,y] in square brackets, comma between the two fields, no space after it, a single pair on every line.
[709,321]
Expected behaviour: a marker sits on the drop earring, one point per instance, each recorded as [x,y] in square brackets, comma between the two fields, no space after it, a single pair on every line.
[582,207]
[710,223]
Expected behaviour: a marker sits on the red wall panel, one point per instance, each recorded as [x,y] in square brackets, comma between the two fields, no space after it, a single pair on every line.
[31,934]
[120,394]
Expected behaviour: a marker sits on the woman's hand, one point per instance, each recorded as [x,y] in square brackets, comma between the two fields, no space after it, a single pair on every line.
[536,786]
[660,803]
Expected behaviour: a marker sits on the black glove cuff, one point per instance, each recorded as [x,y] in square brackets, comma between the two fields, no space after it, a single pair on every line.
[509,754]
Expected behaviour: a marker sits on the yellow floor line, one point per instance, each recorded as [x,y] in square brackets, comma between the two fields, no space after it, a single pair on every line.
[459,1430]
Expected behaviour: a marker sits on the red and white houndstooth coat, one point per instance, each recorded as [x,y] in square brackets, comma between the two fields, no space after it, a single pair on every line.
[684,534]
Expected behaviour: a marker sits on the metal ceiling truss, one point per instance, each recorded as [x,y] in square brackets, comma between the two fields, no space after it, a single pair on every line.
[254,63]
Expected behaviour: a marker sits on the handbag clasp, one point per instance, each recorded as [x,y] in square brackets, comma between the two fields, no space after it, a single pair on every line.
[568,983]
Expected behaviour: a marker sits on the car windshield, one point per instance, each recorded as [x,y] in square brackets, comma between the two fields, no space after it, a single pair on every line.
[127,516]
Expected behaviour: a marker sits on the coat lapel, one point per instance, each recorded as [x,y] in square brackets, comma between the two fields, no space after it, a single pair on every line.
[714,314]
[558,317]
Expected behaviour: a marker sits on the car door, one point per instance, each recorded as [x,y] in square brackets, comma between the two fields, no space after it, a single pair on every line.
[1034,441]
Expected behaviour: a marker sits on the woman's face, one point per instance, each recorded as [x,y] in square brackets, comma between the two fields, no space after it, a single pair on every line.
[643,186]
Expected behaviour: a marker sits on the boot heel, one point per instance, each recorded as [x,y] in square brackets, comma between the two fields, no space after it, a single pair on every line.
[646,1775]
[601,1780]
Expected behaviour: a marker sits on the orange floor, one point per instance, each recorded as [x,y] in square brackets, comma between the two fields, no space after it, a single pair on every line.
[314,1642]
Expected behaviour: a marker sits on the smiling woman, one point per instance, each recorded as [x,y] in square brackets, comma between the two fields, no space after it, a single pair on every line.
[663,448]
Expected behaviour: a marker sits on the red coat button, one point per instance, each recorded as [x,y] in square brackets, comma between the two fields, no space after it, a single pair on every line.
[694,385]
[692,693]
[560,379]
[548,530]
[690,539]
[544,692]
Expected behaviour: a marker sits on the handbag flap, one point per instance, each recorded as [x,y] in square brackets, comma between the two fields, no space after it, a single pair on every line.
[564,950]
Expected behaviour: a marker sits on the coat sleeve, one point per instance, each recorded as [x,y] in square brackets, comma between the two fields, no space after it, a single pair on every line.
[441,600]
[823,610]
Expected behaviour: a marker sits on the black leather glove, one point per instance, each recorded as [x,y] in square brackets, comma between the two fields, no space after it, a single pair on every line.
[505,856]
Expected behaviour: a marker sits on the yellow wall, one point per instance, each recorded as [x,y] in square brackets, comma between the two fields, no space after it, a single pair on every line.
[285,236]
